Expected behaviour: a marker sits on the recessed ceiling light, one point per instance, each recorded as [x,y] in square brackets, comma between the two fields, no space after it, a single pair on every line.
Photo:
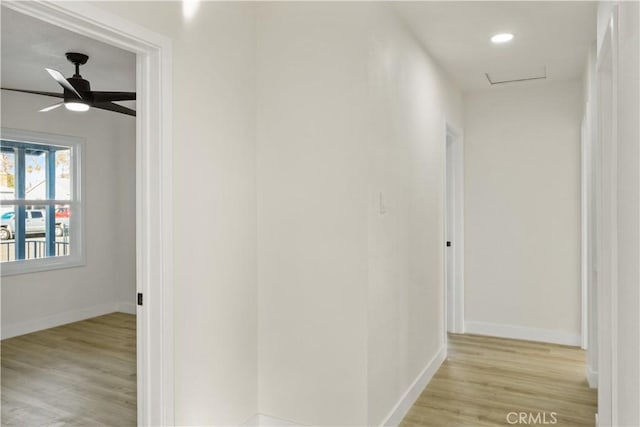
[502,38]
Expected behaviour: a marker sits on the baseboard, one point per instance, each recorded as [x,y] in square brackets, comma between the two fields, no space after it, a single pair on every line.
[395,416]
[592,377]
[520,333]
[126,307]
[254,421]
[399,411]
[262,420]
[34,325]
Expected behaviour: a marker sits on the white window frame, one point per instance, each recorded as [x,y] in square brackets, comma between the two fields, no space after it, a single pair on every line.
[77,256]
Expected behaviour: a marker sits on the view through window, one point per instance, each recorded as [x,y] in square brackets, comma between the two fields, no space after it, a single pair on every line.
[37,200]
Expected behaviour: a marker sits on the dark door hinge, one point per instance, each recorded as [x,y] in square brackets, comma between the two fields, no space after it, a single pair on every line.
[139,298]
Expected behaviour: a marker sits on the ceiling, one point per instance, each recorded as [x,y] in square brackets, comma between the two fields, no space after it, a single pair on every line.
[548,34]
[29,45]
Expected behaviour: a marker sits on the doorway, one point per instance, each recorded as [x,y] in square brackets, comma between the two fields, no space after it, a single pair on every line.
[154,223]
[68,281]
[454,230]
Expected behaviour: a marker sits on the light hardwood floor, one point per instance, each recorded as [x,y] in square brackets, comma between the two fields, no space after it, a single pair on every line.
[484,379]
[80,374]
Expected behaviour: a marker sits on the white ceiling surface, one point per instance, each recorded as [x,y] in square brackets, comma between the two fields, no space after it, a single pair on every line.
[557,35]
[29,45]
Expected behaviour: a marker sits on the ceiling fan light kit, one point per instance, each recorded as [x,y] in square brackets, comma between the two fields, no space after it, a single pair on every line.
[77,93]
[76,106]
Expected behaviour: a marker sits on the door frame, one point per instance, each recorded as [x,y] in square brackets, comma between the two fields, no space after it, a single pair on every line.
[585,220]
[606,217]
[454,297]
[154,222]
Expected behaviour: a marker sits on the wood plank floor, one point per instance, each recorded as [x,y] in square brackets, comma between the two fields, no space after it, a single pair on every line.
[484,379]
[80,374]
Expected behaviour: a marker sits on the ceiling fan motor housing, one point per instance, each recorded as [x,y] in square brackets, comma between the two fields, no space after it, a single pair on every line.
[82,86]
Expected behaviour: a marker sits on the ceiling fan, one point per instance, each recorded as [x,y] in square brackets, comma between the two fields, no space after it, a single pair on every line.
[77,93]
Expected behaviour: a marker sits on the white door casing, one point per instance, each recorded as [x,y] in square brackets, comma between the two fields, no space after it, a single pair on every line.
[606,218]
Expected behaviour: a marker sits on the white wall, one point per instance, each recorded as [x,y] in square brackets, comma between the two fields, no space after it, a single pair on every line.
[312,201]
[618,354]
[215,206]
[316,171]
[39,300]
[589,158]
[350,300]
[522,211]
[126,230]
[410,101]
[628,239]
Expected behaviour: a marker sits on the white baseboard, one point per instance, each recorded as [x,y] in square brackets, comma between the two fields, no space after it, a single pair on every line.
[252,422]
[126,307]
[520,333]
[39,324]
[262,420]
[399,411]
[592,377]
[395,416]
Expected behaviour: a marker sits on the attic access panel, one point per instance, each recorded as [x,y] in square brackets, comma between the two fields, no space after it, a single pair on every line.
[513,76]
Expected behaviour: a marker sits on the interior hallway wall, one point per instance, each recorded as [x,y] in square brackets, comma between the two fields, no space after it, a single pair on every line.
[522,211]
[619,357]
[411,99]
[312,201]
[628,239]
[350,298]
[108,279]
[214,195]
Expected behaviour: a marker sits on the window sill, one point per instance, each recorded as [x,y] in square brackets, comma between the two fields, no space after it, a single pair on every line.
[14,268]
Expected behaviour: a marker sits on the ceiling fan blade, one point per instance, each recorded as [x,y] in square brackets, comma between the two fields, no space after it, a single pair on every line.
[113,96]
[51,107]
[36,92]
[57,76]
[115,107]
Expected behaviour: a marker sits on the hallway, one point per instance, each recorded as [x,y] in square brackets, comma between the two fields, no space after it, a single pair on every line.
[368,176]
[489,381]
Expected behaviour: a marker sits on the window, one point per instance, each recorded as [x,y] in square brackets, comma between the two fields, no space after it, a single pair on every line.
[40,200]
